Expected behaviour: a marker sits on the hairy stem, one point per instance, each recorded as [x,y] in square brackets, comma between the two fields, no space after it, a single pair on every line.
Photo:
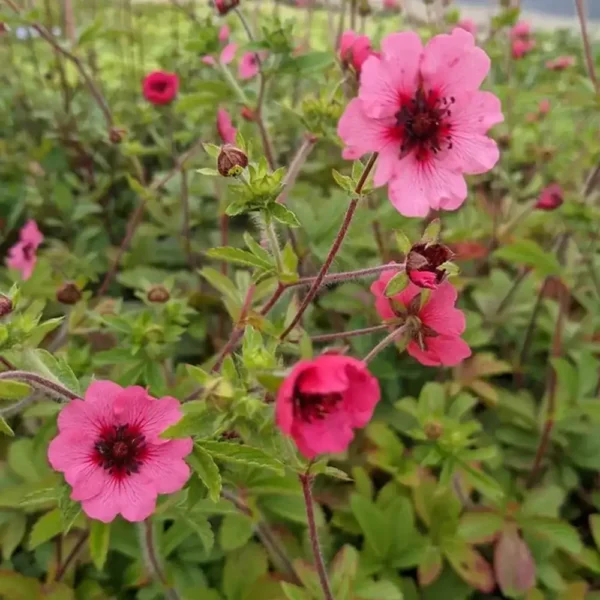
[337,243]
[271,237]
[41,383]
[306,482]
[152,560]
[385,342]
[329,337]
[296,165]
[64,567]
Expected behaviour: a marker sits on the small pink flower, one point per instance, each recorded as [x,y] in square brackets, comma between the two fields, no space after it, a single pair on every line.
[110,452]
[323,400]
[22,256]
[225,128]
[248,67]
[550,198]
[435,327]
[391,4]
[355,49]
[209,60]
[224,33]
[560,63]
[228,53]
[544,106]
[468,25]
[521,47]
[160,87]
[522,29]
[422,110]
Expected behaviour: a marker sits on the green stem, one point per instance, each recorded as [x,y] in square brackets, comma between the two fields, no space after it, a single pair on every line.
[271,236]
[235,86]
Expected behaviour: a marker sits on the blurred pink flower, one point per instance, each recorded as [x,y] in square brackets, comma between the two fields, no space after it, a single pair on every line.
[560,63]
[323,400]
[522,29]
[551,197]
[22,256]
[248,67]
[355,49]
[224,33]
[520,47]
[391,4]
[225,128]
[227,53]
[109,449]
[544,106]
[422,110]
[468,25]
[435,332]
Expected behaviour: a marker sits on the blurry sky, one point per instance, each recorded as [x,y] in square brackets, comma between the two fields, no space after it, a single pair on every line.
[556,7]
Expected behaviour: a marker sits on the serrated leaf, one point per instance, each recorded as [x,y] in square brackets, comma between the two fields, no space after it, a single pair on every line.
[558,533]
[212,150]
[283,214]
[46,527]
[236,453]
[203,464]
[208,172]
[200,525]
[13,390]
[69,509]
[396,284]
[221,283]
[337,474]
[199,424]
[343,181]
[238,257]
[256,248]
[53,367]
[236,530]
[98,543]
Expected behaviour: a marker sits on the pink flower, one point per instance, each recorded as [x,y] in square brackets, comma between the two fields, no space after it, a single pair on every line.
[422,110]
[227,131]
[435,328]
[560,63]
[391,4]
[521,47]
[224,6]
[355,49]
[323,400]
[109,449]
[224,33]
[544,106]
[522,29]
[248,67]
[468,25]
[550,198]
[160,87]
[22,256]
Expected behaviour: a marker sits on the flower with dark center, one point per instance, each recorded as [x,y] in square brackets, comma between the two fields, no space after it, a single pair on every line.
[111,453]
[323,400]
[550,198]
[23,255]
[423,262]
[160,87]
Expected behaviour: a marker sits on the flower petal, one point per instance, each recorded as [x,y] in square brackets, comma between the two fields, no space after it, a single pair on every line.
[228,53]
[439,312]
[362,394]
[165,466]
[329,435]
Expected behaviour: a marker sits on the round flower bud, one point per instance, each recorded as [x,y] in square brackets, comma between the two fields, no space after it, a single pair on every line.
[423,262]
[116,135]
[158,294]
[68,293]
[433,430]
[231,161]
[6,305]
[224,6]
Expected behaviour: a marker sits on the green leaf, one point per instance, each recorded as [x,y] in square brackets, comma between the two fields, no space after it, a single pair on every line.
[200,525]
[238,257]
[396,284]
[12,533]
[482,482]
[13,390]
[4,428]
[479,527]
[212,150]
[222,284]
[595,528]
[343,181]
[203,464]
[236,530]
[256,248]
[45,528]
[242,569]
[432,232]
[529,253]
[403,243]
[373,523]
[53,367]
[311,62]
[379,590]
[236,453]
[99,542]
[337,474]
[198,424]
[283,214]
[208,172]
[343,573]
[293,592]
[555,532]
[469,564]
[68,508]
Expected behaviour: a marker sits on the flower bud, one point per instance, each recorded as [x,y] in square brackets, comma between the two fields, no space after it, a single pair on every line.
[247,113]
[116,135]
[68,293]
[550,198]
[433,430]
[6,305]
[231,161]
[423,262]
[224,6]
[158,294]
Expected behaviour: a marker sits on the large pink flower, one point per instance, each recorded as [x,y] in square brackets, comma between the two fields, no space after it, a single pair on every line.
[422,110]
[522,29]
[323,400]
[435,327]
[521,47]
[108,448]
[22,256]
[227,132]
[468,25]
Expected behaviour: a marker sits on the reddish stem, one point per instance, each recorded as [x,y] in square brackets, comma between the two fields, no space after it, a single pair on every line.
[587,47]
[329,337]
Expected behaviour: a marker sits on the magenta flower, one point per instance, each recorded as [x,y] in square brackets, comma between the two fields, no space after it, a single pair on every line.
[391,4]
[521,47]
[355,49]
[422,110]
[560,63]
[227,132]
[522,29]
[435,327]
[323,400]
[468,25]
[110,452]
[22,256]
[224,33]
[551,197]
[248,67]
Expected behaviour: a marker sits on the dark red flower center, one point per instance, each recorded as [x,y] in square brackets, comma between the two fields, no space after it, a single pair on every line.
[314,407]
[160,86]
[423,121]
[121,450]
[28,251]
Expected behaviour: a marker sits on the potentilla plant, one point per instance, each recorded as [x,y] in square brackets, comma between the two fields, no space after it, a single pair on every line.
[233,323]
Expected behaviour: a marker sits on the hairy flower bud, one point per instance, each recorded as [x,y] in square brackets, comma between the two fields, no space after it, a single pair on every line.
[68,293]
[158,294]
[6,305]
[231,161]
[224,6]
[423,262]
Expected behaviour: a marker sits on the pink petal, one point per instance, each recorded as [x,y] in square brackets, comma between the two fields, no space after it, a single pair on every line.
[439,312]
[329,435]
[70,452]
[324,376]
[225,127]
[452,64]
[424,279]
[284,406]
[224,33]
[346,42]
[89,482]
[165,466]
[102,392]
[209,60]
[385,82]
[473,154]
[248,67]
[419,186]
[228,53]
[475,112]
[386,165]
[30,234]
[362,394]
[362,134]
[87,418]
[441,350]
